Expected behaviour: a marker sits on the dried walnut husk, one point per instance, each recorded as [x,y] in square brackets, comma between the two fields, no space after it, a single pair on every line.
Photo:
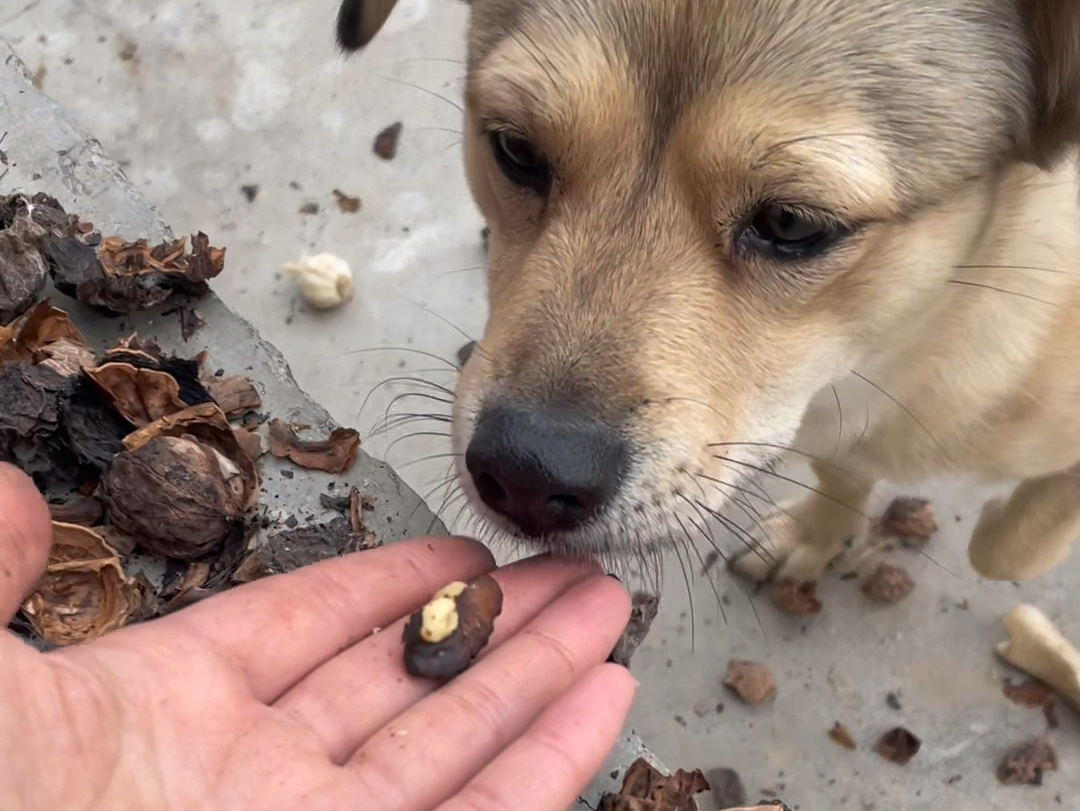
[84,592]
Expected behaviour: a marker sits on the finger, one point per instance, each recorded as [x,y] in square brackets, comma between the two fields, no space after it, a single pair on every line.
[361,690]
[431,751]
[279,629]
[551,764]
[25,536]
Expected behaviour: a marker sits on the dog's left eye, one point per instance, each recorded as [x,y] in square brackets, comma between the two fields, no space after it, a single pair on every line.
[787,232]
[519,162]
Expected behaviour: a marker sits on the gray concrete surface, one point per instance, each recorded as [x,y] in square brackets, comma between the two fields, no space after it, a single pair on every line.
[43,149]
[200,98]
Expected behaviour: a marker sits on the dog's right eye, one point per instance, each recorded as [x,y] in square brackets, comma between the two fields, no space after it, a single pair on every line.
[791,233]
[519,162]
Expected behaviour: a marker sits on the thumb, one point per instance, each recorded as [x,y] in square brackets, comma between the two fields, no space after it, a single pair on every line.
[25,535]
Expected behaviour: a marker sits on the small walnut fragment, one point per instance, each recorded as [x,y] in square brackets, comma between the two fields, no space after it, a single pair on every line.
[841,736]
[183,484]
[84,593]
[645,788]
[899,746]
[643,612]
[444,637]
[752,682]
[1026,764]
[386,142]
[325,281]
[909,519]
[797,598]
[888,584]
[335,454]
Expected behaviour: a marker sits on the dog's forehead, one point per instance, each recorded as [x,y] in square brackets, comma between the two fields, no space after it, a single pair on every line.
[950,76]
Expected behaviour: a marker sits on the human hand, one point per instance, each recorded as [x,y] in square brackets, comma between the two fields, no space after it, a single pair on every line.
[277,695]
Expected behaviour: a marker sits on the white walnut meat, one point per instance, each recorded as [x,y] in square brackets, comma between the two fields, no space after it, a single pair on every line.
[444,637]
[324,280]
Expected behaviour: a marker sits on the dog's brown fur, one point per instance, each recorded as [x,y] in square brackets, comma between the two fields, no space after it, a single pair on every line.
[946,327]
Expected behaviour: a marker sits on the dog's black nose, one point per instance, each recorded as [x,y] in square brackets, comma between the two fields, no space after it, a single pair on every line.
[545,470]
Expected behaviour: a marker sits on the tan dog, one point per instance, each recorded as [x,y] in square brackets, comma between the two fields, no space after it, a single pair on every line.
[722,229]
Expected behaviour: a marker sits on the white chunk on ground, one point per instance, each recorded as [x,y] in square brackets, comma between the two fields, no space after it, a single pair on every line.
[1038,648]
[324,280]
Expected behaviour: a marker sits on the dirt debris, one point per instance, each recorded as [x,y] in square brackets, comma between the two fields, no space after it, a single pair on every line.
[1027,764]
[386,142]
[888,584]
[911,520]
[841,736]
[349,205]
[899,746]
[750,681]
[797,598]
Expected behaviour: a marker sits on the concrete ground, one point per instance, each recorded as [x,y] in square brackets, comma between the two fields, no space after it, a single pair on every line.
[200,98]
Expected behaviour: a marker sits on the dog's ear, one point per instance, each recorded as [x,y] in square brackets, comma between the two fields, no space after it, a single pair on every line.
[1054,28]
[359,21]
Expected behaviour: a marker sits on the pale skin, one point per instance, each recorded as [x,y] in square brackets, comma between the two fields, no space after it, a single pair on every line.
[277,695]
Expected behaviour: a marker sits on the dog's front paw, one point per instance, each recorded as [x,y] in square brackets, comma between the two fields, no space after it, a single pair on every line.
[798,541]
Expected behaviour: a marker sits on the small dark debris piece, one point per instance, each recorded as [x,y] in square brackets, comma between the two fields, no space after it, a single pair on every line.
[336,503]
[250,192]
[1026,764]
[752,682]
[386,142]
[893,700]
[645,789]
[190,322]
[727,789]
[798,598]
[899,746]
[309,208]
[485,235]
[841,736]
[444,637]
[888,584]
[350,205]
[645,607]
[909,519]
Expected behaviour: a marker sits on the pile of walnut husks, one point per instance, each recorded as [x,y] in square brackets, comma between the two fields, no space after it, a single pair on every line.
[139,453]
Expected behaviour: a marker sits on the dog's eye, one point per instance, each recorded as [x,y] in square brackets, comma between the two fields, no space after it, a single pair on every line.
[519,162]
[787,232]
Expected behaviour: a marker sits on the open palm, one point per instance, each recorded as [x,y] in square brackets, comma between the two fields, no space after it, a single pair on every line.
[284,693]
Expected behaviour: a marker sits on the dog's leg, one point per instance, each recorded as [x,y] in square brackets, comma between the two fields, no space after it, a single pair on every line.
[800,539]
[1029,533]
